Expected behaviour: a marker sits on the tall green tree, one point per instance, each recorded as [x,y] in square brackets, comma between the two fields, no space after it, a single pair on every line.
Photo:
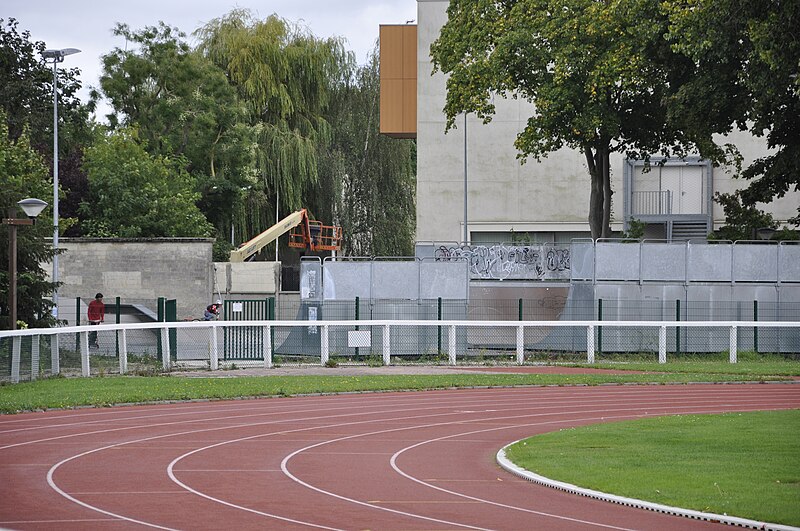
[598,74]
[283,74]
[26,97]
[23,174]
[182,105]
[367,180]
[746,58]
[135,194]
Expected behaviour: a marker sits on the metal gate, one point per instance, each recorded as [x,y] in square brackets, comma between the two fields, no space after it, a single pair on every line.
[246,342]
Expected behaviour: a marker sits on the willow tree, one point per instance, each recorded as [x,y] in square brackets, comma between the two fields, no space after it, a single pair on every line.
[283,76]
[598,74]
[371,175]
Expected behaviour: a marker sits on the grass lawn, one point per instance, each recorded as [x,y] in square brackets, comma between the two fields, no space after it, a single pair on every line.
[108,390]
[739,464]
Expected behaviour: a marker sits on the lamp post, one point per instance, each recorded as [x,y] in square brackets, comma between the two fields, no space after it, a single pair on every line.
[32,208]
[56,56]
[466,224]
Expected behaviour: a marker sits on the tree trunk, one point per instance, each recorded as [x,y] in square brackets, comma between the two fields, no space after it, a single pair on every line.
[596,195]
[604,154]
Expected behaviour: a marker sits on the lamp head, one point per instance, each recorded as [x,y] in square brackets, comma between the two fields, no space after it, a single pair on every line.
[32,206]
[58,56]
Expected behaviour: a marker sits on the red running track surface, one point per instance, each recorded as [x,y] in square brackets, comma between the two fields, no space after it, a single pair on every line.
[395,461]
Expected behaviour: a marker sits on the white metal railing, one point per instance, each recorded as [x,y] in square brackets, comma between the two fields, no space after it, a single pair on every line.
[656,202]
[447,329]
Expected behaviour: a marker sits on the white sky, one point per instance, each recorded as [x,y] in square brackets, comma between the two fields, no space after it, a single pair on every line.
[87,24]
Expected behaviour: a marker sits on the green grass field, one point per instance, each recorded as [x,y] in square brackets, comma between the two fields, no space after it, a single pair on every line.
[104,391]
[739,464]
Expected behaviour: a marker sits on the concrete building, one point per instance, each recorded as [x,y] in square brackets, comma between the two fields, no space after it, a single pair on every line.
[548,200]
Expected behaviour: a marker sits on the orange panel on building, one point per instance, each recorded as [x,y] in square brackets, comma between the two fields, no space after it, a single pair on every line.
[398,61]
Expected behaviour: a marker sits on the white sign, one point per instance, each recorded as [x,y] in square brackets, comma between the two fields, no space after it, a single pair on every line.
[312,316]
[359,338]
[238,307]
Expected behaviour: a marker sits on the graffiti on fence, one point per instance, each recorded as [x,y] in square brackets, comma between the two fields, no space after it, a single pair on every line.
[505,261]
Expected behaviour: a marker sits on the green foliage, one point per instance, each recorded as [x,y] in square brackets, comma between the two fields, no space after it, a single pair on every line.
[745,60]
[23,175]
[282,75]
[635,230]
[134,194]
[367,180]
[741,221]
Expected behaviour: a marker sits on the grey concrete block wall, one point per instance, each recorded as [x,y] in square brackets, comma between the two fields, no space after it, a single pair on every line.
[139,269]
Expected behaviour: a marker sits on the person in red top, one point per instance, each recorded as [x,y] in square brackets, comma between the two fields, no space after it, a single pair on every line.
[96,315]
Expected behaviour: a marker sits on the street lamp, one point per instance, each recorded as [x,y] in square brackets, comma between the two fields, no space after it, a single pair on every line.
[32,208]
[56,56]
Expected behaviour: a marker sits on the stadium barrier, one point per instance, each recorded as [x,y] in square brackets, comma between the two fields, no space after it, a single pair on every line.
[158,347]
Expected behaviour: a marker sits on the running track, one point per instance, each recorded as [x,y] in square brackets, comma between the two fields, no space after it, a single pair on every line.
[395,461]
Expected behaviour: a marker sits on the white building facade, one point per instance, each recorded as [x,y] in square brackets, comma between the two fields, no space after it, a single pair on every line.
[476,166]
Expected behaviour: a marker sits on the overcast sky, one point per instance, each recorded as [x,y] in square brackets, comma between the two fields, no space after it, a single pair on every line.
[87,24]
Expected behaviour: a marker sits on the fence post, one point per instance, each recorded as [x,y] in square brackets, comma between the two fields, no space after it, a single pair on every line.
[214,350]
[387,358]
[519,310]
[439,328]
[123,351]
[84,342]
[755,328]
[590,344]
[358,316]
[520,344]
[732,357]
[662,344]
[77,322]
[600,328]
[117,307]
[452,341]
[165,355]
[55,363]
[160,318]
[34,357]
[15,355]
[677,328]
[267,335]
[323,345]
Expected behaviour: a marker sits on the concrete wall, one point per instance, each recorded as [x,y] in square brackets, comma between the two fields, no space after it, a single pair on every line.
[138,269]
[504,195]
[247,278]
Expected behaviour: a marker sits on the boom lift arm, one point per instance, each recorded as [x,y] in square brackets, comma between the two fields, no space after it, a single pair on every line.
[305,234]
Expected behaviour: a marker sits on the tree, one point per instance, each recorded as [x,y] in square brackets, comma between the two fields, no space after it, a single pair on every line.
[746,57]
[22,175]
[598,74]
[26,97]
[182,105]
[367,180]
[134,194]
[283,75]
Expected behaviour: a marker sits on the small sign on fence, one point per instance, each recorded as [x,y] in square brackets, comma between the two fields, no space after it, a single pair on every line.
[358,338]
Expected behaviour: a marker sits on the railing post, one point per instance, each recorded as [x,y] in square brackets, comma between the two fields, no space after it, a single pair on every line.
[165,353]
[452,341]
[84,341]
[55,363]
[34,357]
[662,344]
[214,350]
[755,328]
[600,328]
[323,346]
[732,357]
[590,344]
[123,351]
[387,355]
[677,328]
[267,339]
[439,328]
[15,355]
[520,344]
[118,320]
